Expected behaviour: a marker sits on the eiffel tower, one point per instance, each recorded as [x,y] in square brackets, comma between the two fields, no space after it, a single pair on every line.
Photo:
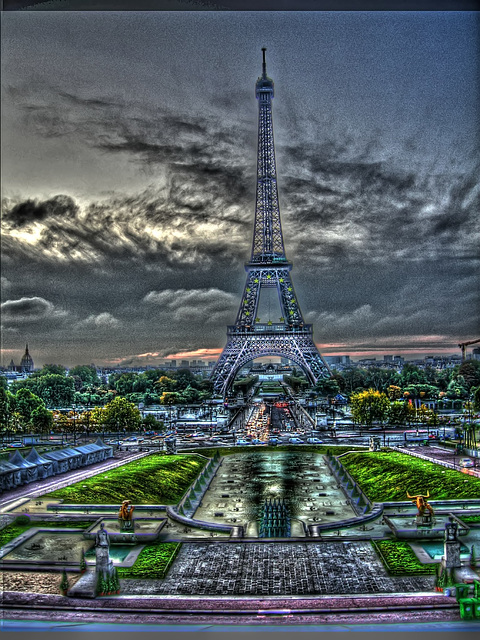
[268,268]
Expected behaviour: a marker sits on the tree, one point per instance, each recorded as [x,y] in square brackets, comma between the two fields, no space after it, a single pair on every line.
[26,403]
[397,412]
[3,383]
[476,399]
[86,373]
[327,386]
[369,406]
[150,423]
[56,369]
[169,398]
[164,383]
[469,372]
[411,374]
[41,420]
[121,414]
[394,392]
[354,379]
[297,383]
[56,390]
[64,583]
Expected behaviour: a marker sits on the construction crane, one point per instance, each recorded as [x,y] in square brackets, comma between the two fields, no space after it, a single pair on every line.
[463,346]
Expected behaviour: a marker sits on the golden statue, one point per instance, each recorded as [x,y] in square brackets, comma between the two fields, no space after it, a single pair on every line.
[126,511]
[421,502]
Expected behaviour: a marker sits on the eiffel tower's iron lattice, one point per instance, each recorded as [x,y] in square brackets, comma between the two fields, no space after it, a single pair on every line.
[268,268]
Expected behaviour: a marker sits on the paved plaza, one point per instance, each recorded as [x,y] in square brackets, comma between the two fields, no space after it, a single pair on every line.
[295,568]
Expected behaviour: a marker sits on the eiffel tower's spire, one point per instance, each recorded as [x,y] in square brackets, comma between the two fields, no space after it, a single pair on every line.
[267,235]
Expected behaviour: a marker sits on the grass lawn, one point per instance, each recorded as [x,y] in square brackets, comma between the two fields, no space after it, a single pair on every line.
[388,475]
[153,561]
[155,479]
[229,451]
[400,560]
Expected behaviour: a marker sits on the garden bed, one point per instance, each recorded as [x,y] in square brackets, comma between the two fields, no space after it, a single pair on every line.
[155,479]
[153,561]
[387,476]
[471,519]
[35,582]
[400,560]
[15,529]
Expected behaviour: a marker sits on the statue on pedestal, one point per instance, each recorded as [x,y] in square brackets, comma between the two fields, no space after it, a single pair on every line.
[107,579]
[125,516]
[422,519]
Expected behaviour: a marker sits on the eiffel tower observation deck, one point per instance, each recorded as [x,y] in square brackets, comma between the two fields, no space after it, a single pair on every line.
[268,269]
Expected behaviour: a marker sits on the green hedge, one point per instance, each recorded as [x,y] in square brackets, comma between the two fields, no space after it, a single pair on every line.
[153,561]
[155,479]
[472,519]
[388,475]
[400,560]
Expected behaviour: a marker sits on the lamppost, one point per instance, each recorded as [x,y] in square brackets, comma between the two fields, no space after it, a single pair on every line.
[74,425]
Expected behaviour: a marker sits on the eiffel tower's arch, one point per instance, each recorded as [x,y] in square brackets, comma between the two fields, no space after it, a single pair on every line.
[268,268]
[268,352]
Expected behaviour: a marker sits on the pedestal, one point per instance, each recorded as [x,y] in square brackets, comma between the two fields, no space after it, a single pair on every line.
[424,521]
[104,565]
[451,556]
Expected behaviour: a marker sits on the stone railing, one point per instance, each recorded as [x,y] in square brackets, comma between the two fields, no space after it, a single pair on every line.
[359,501]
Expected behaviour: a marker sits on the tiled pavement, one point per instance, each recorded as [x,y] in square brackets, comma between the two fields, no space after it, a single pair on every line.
[274,569]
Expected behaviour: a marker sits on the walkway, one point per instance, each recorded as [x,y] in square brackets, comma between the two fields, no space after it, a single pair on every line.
[277,568]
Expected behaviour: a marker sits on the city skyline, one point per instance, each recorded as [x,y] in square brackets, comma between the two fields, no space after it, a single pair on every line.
[129,146]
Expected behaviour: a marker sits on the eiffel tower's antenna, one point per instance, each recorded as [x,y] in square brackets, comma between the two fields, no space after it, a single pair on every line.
[264,65]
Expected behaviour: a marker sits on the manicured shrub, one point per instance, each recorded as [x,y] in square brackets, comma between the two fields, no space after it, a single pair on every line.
[64,582]
[23,519]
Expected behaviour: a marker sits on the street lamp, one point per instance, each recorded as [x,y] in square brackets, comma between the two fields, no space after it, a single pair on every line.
[74,425]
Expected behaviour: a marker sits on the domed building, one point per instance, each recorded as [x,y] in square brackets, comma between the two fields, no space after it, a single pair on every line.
[26,363]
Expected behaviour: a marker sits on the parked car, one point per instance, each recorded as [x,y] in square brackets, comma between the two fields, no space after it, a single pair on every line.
[314,441]
[274,441]
[242,442]
[295,441]
[15,444]
[466,462]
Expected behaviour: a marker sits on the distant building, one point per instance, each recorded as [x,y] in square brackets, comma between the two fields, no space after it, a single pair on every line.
[476,353]
[26,363]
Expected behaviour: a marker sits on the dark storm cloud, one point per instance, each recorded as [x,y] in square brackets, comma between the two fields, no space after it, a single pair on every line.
[207,305]
[29,310]
[23,213]
[334,192]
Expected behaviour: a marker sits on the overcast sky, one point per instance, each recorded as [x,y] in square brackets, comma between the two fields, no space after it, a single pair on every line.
[128,173]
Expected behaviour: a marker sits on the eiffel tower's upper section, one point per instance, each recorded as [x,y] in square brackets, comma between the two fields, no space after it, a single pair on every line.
[267,246]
